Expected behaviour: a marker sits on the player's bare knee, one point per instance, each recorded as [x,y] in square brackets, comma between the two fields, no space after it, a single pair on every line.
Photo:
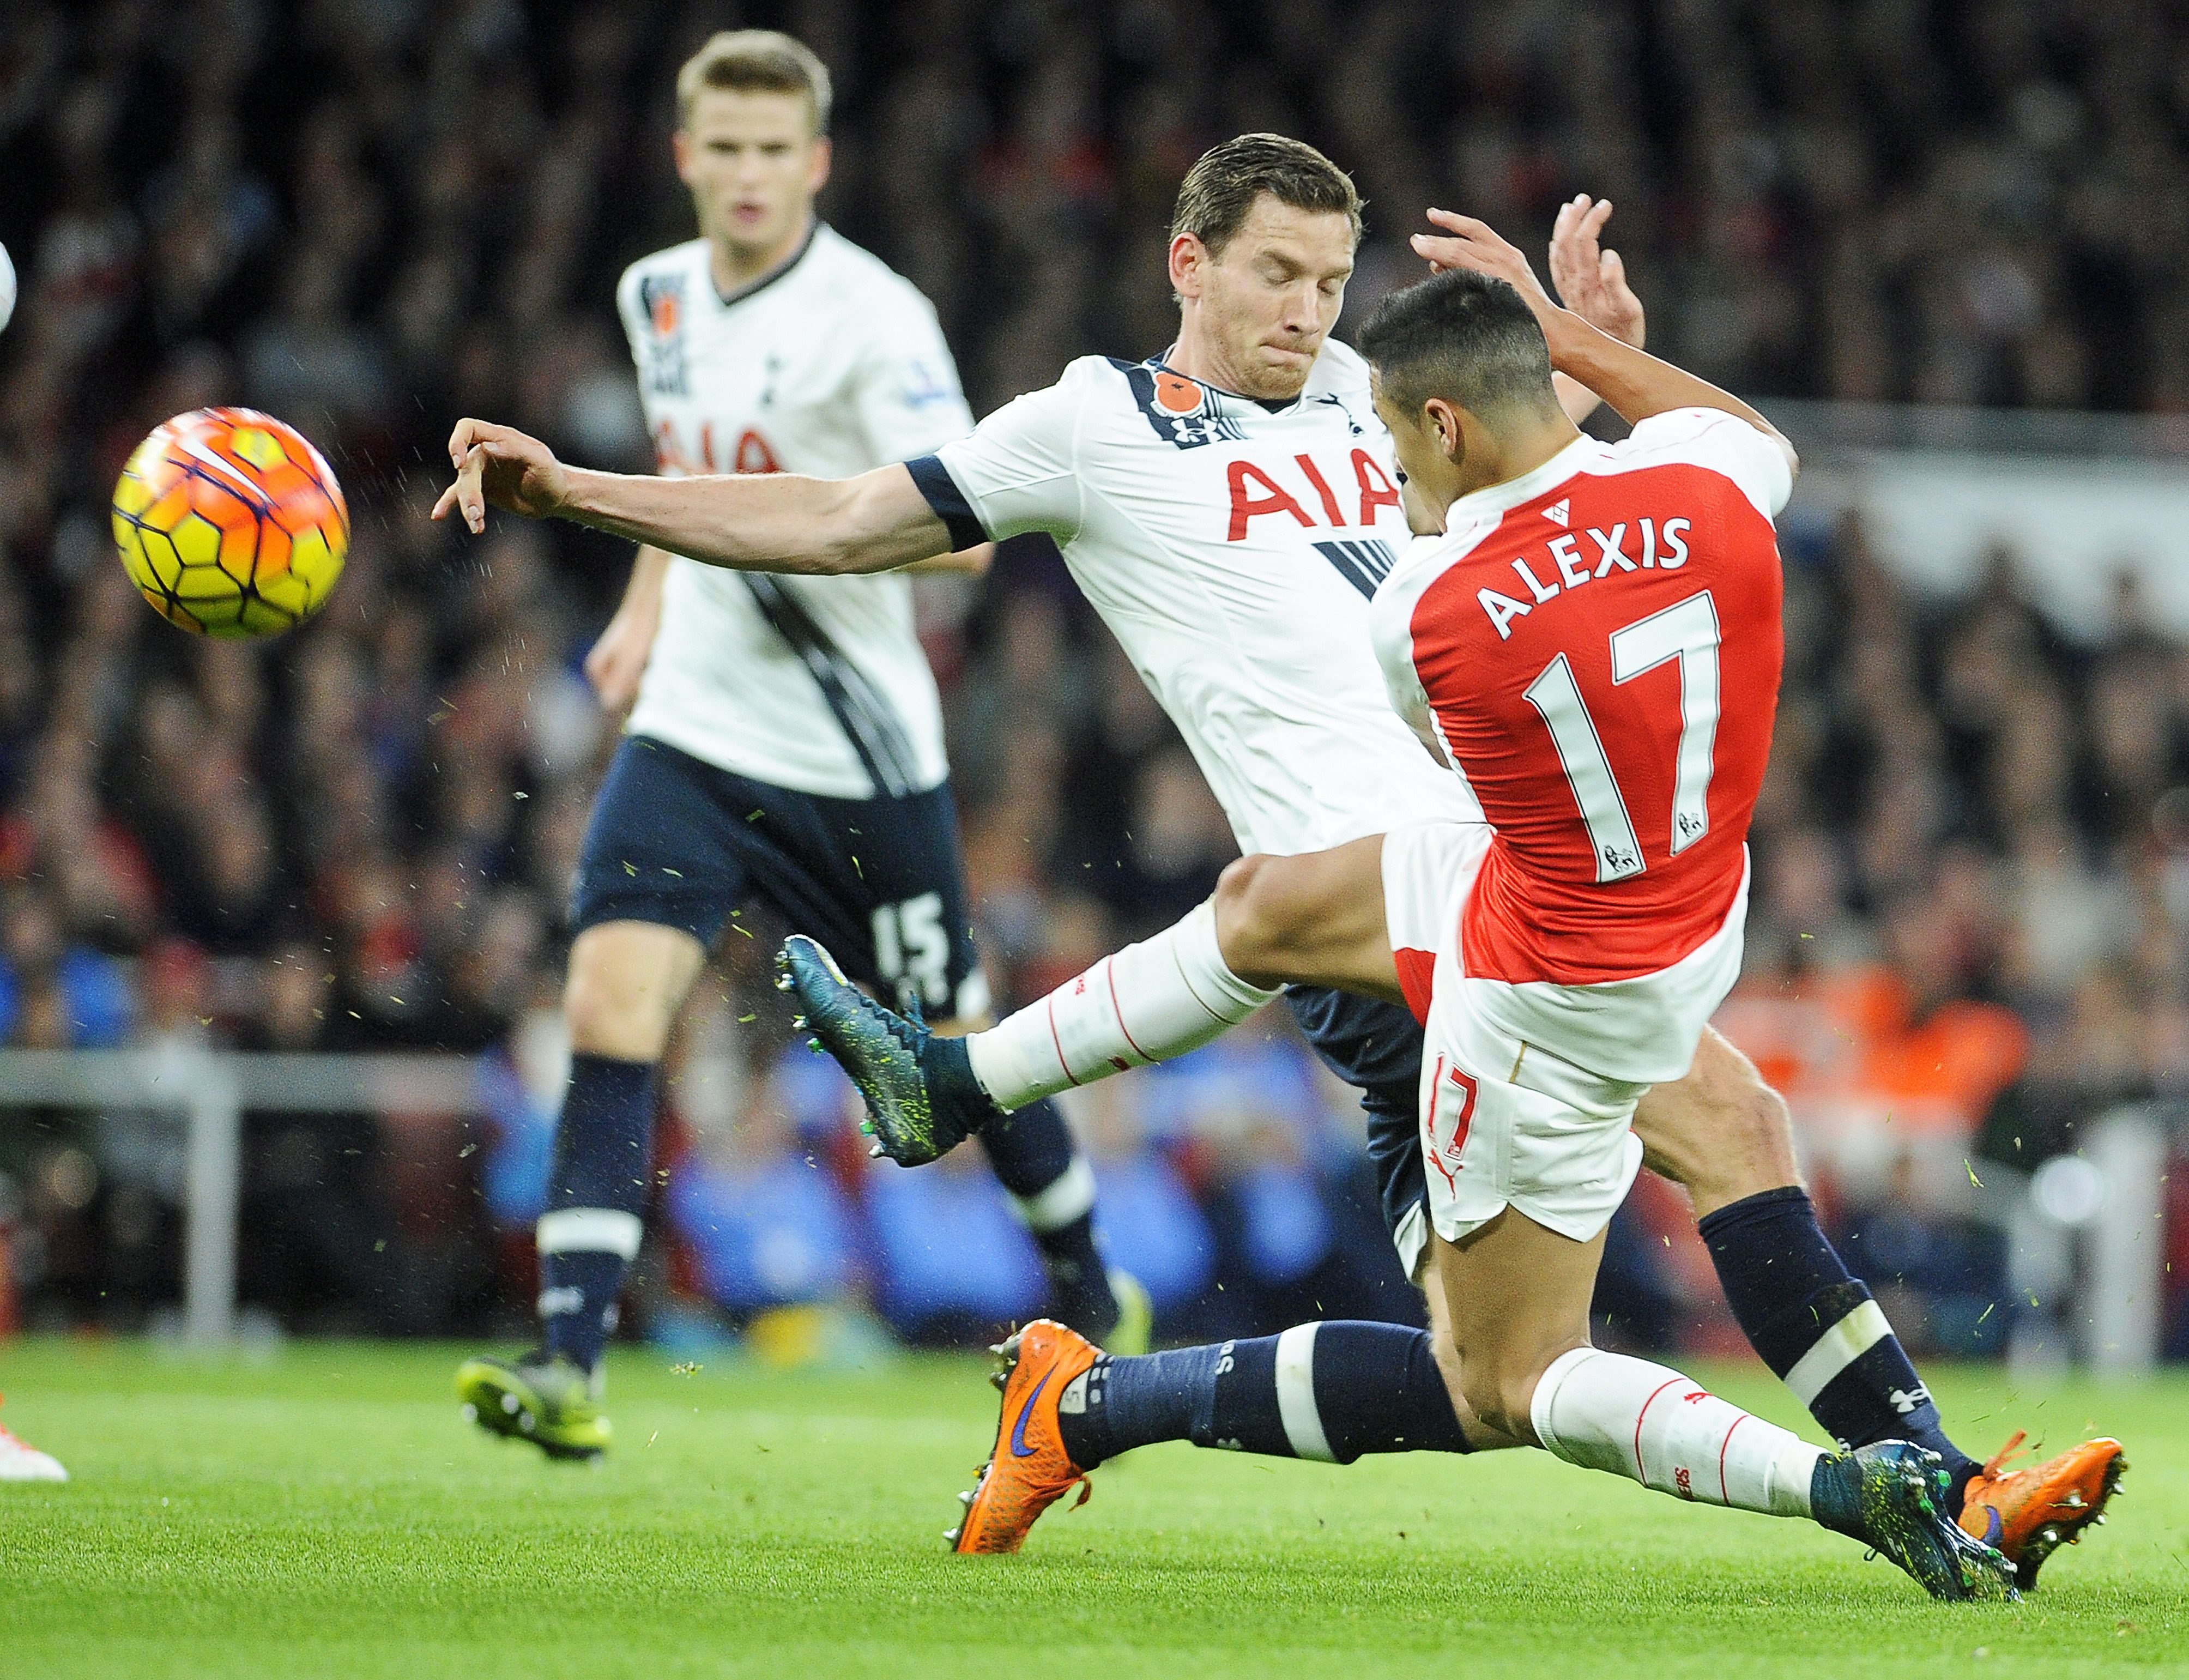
[608,1014]
[1252,924]
[1764,1122]
[1499,1400]
[1753,1126]
[1496,1384]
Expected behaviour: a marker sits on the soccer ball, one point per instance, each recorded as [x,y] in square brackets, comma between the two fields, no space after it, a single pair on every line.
[230,523]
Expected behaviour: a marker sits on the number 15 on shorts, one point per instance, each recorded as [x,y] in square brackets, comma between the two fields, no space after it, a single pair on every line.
[912,951]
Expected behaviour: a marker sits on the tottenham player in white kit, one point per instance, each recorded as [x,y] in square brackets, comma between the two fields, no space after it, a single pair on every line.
[786,739]
[1228,506]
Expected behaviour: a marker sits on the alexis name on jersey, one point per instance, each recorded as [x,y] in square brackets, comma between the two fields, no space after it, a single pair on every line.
[1659,548]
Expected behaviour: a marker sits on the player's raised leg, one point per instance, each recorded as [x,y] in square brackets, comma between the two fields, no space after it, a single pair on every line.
[1320,921]
[1031,1150]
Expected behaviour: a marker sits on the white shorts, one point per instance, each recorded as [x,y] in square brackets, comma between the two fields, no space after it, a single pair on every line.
[1507,1121]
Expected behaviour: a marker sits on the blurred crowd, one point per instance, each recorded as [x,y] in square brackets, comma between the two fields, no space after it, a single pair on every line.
[1971,911]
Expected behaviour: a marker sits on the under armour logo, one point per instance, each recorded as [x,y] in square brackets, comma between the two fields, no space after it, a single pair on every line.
[1906,1401]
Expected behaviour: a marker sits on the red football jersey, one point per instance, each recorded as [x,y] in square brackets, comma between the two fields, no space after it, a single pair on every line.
[1596,647]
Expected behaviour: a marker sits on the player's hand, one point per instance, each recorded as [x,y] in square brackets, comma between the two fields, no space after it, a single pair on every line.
[619,658]
[499,464]
[1591,281]
[1466,243]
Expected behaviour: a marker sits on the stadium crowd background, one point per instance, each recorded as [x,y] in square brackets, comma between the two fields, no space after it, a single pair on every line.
[370,216]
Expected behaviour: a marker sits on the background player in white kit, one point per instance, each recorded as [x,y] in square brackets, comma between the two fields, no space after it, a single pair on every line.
[1229,507]
[786,739]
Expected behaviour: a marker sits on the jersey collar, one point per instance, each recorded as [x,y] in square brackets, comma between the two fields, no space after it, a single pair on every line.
[1267,404]
[1493,500]
[728,298]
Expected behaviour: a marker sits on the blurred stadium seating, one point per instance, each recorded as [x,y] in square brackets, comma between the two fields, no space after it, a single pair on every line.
[1971,917]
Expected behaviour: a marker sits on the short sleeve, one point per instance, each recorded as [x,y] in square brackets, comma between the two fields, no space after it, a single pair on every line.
[1391,632]
[906,390]
[1013,473]
[1721,441]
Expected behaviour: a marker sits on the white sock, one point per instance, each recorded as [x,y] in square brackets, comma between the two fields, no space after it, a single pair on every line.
[1069,1195]
[1639,1420]
[1147,1002]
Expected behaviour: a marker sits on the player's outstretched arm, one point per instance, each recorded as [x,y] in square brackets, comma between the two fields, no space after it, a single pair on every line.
[774,522]
[1634,383]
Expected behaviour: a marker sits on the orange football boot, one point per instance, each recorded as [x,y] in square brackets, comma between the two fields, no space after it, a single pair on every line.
[2028,1513]
[1029,1471]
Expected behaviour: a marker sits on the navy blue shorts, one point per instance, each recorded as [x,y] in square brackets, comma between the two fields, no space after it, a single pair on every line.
[680,843]
[1376,1047]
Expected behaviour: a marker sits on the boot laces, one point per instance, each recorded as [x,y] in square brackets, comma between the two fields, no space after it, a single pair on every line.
[909,1028]
[1997,1462]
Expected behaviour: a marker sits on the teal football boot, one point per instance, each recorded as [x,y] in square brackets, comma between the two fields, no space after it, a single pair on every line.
[1890,1495]
[922,1099]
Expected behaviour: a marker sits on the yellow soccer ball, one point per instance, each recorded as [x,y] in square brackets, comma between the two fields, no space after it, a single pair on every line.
[230,524]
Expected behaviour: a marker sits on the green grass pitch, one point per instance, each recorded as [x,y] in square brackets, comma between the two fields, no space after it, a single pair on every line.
[327,1512]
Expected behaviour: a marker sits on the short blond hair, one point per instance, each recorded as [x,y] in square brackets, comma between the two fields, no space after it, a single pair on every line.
[755,61]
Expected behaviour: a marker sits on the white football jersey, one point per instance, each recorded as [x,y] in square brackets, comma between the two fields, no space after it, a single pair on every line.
[832,365]
[1232,546]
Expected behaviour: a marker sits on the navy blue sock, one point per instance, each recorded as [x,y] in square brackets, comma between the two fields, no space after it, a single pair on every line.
[1328,1391]
[597,1196]
[1031,1154]
[1816,1325]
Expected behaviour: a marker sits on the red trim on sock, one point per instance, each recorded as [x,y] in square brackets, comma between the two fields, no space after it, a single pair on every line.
[1640,1475]
[1110,969]
[1722,1446]
[1058,1043]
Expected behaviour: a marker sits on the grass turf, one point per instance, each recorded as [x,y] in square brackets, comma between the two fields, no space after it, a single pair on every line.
[325,1511]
